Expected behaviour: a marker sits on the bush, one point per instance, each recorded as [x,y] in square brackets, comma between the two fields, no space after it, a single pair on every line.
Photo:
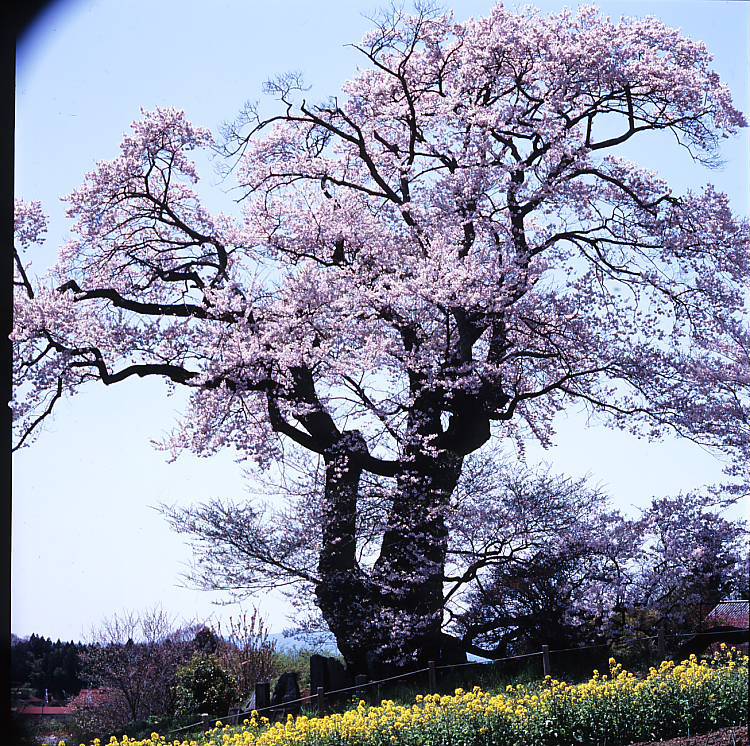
[204,686]
[102,712]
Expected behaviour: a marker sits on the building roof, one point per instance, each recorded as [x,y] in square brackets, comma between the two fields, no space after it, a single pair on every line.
[49,710]
[730,614]
[94,696]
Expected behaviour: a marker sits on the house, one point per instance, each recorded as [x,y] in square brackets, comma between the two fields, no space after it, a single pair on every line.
[94,696]
[727,622]
[733,614]
[732,617]
[53,712]
[36,708]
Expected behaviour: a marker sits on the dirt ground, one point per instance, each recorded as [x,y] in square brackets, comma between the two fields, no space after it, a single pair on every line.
[725,737]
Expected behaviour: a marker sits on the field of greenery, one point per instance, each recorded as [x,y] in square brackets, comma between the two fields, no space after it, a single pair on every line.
[618,707]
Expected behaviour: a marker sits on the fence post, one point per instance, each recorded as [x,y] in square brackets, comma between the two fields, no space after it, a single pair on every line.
[431,677]
[204,720]
[321,699]
[262,694]
[360,680]
[661,645]
[545,660]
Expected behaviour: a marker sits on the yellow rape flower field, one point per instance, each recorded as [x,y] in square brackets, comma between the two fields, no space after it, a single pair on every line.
[618,707]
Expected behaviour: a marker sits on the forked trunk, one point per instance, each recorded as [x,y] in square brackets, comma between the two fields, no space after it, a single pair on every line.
[388,619]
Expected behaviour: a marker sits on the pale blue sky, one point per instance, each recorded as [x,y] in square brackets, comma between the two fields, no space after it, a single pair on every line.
[85,541]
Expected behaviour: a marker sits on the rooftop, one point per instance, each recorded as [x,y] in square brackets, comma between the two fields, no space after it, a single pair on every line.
[730,614]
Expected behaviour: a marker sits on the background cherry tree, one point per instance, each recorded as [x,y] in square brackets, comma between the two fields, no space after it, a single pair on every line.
[449,253]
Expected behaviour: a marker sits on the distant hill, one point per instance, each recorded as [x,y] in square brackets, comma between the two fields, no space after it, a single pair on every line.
[320,642]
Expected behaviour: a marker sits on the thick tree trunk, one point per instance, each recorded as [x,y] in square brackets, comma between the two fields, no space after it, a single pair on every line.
[390,618]
[409,573]
[342,594]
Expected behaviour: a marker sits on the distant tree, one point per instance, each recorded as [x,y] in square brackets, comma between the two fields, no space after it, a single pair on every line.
[451,252]
[206,641]
[39,649]
[39,663]
[245,652]
[544,555]
[137,656]
[202,685]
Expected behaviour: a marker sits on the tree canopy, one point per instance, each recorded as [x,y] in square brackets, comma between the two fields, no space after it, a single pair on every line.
[450,251]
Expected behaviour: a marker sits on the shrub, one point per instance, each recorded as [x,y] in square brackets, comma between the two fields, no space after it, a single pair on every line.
[204,686]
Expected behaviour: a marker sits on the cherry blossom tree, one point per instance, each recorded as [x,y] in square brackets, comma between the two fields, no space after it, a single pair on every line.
[560,563]
[526,549]
[689,558]
[448,253]
[597,576]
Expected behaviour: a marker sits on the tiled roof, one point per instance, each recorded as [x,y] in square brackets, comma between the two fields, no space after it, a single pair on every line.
[88,697]
[48,710]
[730,614]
